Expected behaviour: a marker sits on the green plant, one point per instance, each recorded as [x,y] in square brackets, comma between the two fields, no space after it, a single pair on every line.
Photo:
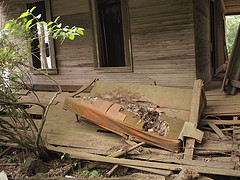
[8,158]
[85,173]
[232,24]
[15,38]
[94,174]
[90,174]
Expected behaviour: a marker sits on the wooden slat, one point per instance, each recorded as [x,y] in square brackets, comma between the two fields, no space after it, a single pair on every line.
[221,122]
[217,130]
[126,162]
[193,117]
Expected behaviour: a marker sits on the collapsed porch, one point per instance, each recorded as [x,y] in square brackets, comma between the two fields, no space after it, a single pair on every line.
[217,155]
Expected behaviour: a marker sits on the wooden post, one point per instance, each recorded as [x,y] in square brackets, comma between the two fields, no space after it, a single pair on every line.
[193,117]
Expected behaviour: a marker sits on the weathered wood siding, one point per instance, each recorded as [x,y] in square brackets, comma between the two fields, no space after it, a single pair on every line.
[163,40]
[163,49]
[220,41]
[202,39]
[232,6]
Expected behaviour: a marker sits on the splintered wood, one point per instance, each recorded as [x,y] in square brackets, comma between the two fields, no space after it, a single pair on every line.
[218,154]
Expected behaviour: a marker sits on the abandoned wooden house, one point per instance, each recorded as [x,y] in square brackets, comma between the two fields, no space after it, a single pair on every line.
[171,43]
[162,42]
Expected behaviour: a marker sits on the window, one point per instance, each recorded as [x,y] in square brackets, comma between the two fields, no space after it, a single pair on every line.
[110,22]
[43,8]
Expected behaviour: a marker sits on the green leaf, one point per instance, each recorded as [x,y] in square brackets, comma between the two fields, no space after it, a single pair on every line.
[76,34]
[8,25]
[65,29]
[79,31]
[59,25]
[57,18]
[56,34]
[71,37]
[25,14]
[43,22]
[50,23]
[94,174]
[62,34]
[63,156]
[33,9]
[38,16]
[29,23]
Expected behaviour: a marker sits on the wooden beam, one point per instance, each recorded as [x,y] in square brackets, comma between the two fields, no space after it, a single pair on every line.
[49,87]
[221,122]
[217,131]
[145,164]
[234,83]
[223,7]
[193,117]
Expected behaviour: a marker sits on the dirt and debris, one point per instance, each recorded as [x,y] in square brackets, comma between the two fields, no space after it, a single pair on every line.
[22,164]
[135,103]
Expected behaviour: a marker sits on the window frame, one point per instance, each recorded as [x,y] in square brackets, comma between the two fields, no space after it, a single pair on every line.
[54,69]
[126,38]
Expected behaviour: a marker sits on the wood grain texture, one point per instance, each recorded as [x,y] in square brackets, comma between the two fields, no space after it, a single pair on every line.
[162,40]
[202,39]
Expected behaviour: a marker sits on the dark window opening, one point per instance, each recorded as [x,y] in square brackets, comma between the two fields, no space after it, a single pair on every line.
[110,33]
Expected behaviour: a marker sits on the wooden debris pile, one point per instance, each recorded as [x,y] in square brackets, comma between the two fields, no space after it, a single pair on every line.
[217,155]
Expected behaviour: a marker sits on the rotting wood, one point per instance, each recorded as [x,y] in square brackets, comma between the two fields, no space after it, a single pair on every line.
[220,122]
[151,170]
[112,170]
[187,174]
[115,154]
[236,151]
[188,162]
[193,117]
[126,162]
[209,145]
[116,115]
[218,131]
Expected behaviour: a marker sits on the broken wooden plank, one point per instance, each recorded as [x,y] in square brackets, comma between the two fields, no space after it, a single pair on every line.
[187,174]
[115,154]
[193,117]
[151,170]
[209,145]
[220,122]
[156,165]
[112,170]
[168,159]
[217,131]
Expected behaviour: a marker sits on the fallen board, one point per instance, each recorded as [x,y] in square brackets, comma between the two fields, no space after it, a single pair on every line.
[109,107]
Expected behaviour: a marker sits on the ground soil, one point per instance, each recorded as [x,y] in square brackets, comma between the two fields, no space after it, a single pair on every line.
[13,163]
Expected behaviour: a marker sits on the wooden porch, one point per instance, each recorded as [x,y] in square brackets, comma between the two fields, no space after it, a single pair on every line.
[217,155]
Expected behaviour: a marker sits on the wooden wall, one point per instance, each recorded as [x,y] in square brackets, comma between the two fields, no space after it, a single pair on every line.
[232,6]
[220,41]
[163,49]
[202,39]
